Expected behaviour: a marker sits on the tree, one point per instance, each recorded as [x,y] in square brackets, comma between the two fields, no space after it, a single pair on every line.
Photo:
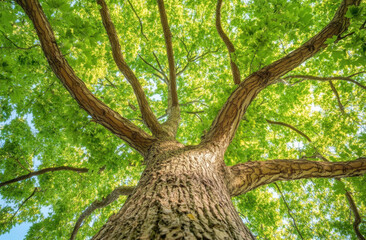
[179,138]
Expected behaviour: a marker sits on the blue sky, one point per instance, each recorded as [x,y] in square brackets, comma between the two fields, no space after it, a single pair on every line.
[17,233]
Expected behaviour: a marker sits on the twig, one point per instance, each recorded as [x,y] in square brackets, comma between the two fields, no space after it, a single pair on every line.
[324,79]
[289,210]
[15,45]
[141,28]
[164,77]
[340,105]
[21,205]
[291,127]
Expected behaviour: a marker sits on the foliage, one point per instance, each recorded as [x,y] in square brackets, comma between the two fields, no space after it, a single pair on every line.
[42,126]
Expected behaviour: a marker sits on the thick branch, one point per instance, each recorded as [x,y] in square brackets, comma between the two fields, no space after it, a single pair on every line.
[100,112]
[325,79]
[225,125]
[173,106]
[113,196]
[250,175]
[356,214]
[147,115]
[46,170]
[230,46]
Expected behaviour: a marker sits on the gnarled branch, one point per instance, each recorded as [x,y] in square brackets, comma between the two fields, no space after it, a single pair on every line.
[99,111]
[230,46]
[250,175]
[226,123]
[113,196]
[147,114]
[172,122]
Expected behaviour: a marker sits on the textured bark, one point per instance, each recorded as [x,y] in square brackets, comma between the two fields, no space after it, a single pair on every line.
[100,112]
[181,195]
[248,176]
[225,124]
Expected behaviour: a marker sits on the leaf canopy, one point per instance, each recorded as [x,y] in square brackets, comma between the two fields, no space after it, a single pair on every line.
[42,126]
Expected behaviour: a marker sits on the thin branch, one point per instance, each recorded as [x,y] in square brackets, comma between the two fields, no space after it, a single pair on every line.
[113,196]
[160,66]
[247,176]
[147,114]
[194,112]
[43,171]
[325,79]
[112,84]
[16,45]
[191,60]
[334,90]
[21,205]
[358,219]
[230,46]
[291,127]
[289,210]
[99,111]
[172,122]
[224,126]
[163,77]
[141,27]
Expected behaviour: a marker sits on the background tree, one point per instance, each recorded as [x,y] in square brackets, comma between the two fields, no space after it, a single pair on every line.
[150,73]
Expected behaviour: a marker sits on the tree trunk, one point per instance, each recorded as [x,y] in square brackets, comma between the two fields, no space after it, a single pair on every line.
[182,194]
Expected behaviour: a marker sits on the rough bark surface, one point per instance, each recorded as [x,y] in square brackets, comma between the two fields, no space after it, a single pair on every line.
[181,195]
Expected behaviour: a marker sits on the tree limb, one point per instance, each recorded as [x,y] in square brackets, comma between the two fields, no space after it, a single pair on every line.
[334,90]
[172,122]
[324,79]
[289,210]
[21,205]
[113,196]
[250,175]
[291,127]
[147,114]
[99,111]
[161,74]
[141,27]
[227,121]
[16,45]
[356,214]
[45,170]
[230,46]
